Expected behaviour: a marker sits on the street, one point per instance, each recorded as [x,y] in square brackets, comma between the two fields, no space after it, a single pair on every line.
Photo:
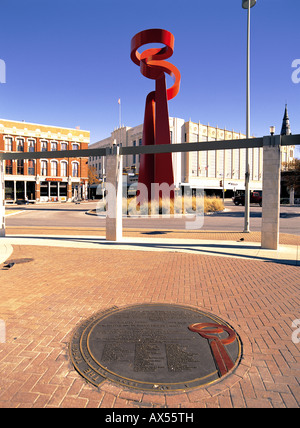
[75,215]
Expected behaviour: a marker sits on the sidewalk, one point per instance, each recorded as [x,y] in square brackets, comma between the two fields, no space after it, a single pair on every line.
[52,289]
[287,254]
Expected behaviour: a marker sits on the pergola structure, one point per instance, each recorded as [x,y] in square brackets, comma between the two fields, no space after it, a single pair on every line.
[271,176]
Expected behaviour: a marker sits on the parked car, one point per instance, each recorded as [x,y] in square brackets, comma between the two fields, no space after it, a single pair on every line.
[255,198]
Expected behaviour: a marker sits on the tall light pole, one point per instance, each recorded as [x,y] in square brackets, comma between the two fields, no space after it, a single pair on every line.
[247,4]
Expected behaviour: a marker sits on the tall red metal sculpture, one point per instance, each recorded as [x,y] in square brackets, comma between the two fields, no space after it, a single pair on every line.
[156,168]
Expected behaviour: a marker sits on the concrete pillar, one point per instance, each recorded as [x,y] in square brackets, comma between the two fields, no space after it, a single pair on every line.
[292,196]
[25,189]
[2,198]
[114,169]
[37,188]
[271,192]
[15,191]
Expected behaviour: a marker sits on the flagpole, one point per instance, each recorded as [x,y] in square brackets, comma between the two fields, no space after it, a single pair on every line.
[120,122]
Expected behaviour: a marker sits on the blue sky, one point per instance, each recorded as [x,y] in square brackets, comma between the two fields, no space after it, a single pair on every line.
[68,62]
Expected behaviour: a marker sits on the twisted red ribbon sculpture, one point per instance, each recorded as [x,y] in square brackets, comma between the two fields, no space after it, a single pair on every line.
[156,168]
[209,331]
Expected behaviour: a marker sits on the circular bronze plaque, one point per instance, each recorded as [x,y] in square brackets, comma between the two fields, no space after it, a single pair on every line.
[156,347]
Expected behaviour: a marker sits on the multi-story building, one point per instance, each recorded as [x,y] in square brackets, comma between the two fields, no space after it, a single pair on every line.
[43,180]
[205,170]
[213,171]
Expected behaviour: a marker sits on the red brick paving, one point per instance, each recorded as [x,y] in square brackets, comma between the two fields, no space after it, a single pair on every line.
[43,301]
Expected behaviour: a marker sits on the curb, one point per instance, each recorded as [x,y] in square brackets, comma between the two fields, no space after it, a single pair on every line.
[94,212]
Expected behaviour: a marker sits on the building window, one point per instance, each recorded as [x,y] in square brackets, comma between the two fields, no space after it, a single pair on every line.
[53,147]
[63,169]
[43,167]
[20,145]
[54,189]
[134,156]
[64,146]
[31,145]
[140,144]
[31,169]
[54,168]
[9,190]
[8,167]
[212,164]
[31,190]
[63,189]
[8,144]
[20,167]
[44,189]
[44,146]
[75,146]
[74,169]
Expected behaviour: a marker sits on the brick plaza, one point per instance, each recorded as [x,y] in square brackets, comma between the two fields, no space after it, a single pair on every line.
[43,301]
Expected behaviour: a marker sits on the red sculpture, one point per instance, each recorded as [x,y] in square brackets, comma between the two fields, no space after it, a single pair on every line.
[209,331]
[156,168]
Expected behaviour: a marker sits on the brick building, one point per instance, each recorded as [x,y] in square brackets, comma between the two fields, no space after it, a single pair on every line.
[43,180]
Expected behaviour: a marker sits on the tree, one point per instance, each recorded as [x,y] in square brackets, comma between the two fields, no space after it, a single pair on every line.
[291,175]
[92,175]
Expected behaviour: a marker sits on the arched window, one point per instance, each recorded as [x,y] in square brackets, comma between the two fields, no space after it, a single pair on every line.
[54,168]
[43,167]
[20,145]
[20,167]
[8,144]
[31,145]
[63,168]
[31,167]
[44,146]
[75,169]
[8,167]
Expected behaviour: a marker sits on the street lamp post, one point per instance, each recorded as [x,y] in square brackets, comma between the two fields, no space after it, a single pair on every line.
[247,4]
[272,130]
